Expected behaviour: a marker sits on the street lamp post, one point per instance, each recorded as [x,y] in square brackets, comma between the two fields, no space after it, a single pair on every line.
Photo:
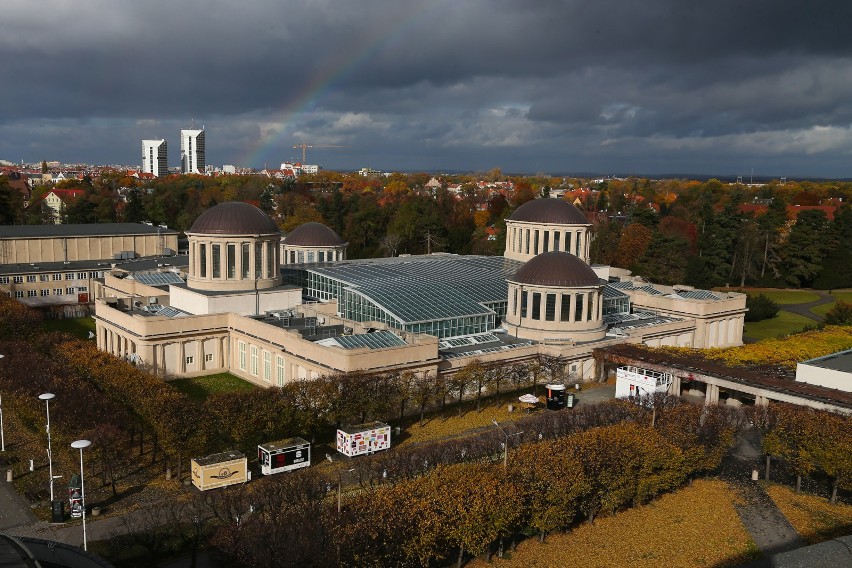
[2,435]
[505,443]
[46,397]
[340,489]
[79,445]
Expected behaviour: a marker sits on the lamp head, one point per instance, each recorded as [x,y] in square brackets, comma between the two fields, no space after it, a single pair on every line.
[80,444]
[47,396]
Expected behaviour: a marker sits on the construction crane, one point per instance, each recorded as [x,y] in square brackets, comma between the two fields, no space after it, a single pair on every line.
[304,147]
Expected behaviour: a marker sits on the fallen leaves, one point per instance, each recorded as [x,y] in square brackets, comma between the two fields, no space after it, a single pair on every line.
[814,518]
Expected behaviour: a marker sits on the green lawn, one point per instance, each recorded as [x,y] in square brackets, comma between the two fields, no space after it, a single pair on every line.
[845,295]
[783,324]
[786,297]
[199,388]
[78,327]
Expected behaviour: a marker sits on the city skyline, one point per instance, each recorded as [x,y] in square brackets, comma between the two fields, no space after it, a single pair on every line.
[547,86]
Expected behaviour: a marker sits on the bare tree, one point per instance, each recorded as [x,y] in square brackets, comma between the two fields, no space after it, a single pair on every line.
[390,244]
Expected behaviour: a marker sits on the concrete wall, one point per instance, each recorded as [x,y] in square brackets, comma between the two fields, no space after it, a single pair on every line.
[830,378]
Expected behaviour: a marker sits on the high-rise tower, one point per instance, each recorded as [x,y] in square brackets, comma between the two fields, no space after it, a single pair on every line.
[155,157]
[192,151]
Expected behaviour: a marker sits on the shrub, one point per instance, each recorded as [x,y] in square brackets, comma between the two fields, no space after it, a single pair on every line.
[760,307]
[839,314]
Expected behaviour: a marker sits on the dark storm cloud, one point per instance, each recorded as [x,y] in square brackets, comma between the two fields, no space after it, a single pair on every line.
[528,86]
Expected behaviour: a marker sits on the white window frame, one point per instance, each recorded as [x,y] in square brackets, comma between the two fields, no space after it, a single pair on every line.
[19,293]
[69,290]
[31,277]
[32,293]
[253,360]
[279,368]
[18,279]
[241,345]
[4,279]
[267,366]
[208,358]
[190,360]
[45,292]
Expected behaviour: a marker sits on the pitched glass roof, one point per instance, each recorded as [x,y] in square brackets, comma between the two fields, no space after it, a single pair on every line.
[698,295]
[428,288]
[376,340]
[157,278]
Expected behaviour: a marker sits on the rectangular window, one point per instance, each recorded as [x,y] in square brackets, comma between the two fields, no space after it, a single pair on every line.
[253,360]
[524,304]
[565,314]
[321,256]
[270,260]
[81,276]
[93,274]
[208,358]
[246,260]
[190,360]
[44,278]
[550,308]
[536,312]
[19,293]
[31,293]
[577,245]
[279,370]
[591,305]
[578,312]
[535,248]
[4,279]
[57,291]
[267,366]
[232,261]
[301,257]
[216,260]
[69,290]
[202,256]
[242,350]
[515,302]
[556,240]
[31,278]
[310,257]
[527,242]
[292,257]
[69,276]
[18,279]
[57,277]
[546,241]
[567,242]
[82,288]
[45,292]
[258,260]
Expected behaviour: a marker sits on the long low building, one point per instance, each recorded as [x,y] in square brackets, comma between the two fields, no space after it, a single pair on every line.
[35,244]
[232,310]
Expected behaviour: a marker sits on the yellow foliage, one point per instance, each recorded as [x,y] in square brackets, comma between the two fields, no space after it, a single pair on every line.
[696,526]
[814,518]
[786,351]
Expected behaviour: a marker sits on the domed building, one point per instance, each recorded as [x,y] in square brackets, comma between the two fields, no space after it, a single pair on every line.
[545,225]
[233,247]
[312,242]
[555,296]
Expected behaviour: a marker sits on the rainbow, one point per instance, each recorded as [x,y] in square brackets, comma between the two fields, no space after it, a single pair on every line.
[327,77]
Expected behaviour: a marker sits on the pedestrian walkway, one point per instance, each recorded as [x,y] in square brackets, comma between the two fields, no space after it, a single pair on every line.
[805,309]
[769,528]
[14,510]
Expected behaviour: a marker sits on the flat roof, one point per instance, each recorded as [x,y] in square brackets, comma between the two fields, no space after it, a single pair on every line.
[127,264]
[81,230]
[226,456]
[840,361]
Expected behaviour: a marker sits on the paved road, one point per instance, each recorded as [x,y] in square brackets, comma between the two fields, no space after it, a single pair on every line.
[805,309]
[14,511]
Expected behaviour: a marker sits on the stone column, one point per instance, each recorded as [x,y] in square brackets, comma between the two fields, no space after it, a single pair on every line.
[674,389]
[573,308]
[161,359]
[181,363]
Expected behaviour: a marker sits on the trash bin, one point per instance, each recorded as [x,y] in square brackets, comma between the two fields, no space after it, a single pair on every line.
[57,510]
[570,401]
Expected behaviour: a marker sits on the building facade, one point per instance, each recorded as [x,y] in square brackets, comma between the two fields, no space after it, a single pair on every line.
[155,157]
[192,155]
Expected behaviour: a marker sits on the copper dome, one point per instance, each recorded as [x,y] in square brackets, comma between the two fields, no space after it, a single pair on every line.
[549,210]
[313,234]
[234,218]
[557,269]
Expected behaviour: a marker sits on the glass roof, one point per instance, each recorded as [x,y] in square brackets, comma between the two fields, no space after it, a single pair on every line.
[698,295]
[428,288]
[157,278]
[376,340]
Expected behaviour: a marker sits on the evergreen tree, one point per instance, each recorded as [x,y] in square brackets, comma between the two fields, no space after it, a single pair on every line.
[806,248]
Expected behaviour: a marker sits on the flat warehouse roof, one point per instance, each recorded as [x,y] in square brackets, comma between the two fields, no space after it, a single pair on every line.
[81,230]
[840,361]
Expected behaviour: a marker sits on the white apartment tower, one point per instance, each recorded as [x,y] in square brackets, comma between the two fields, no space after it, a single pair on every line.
[192,151]
[155,157]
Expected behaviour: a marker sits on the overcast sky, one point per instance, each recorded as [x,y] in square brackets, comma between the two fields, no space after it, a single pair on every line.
[610,86]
